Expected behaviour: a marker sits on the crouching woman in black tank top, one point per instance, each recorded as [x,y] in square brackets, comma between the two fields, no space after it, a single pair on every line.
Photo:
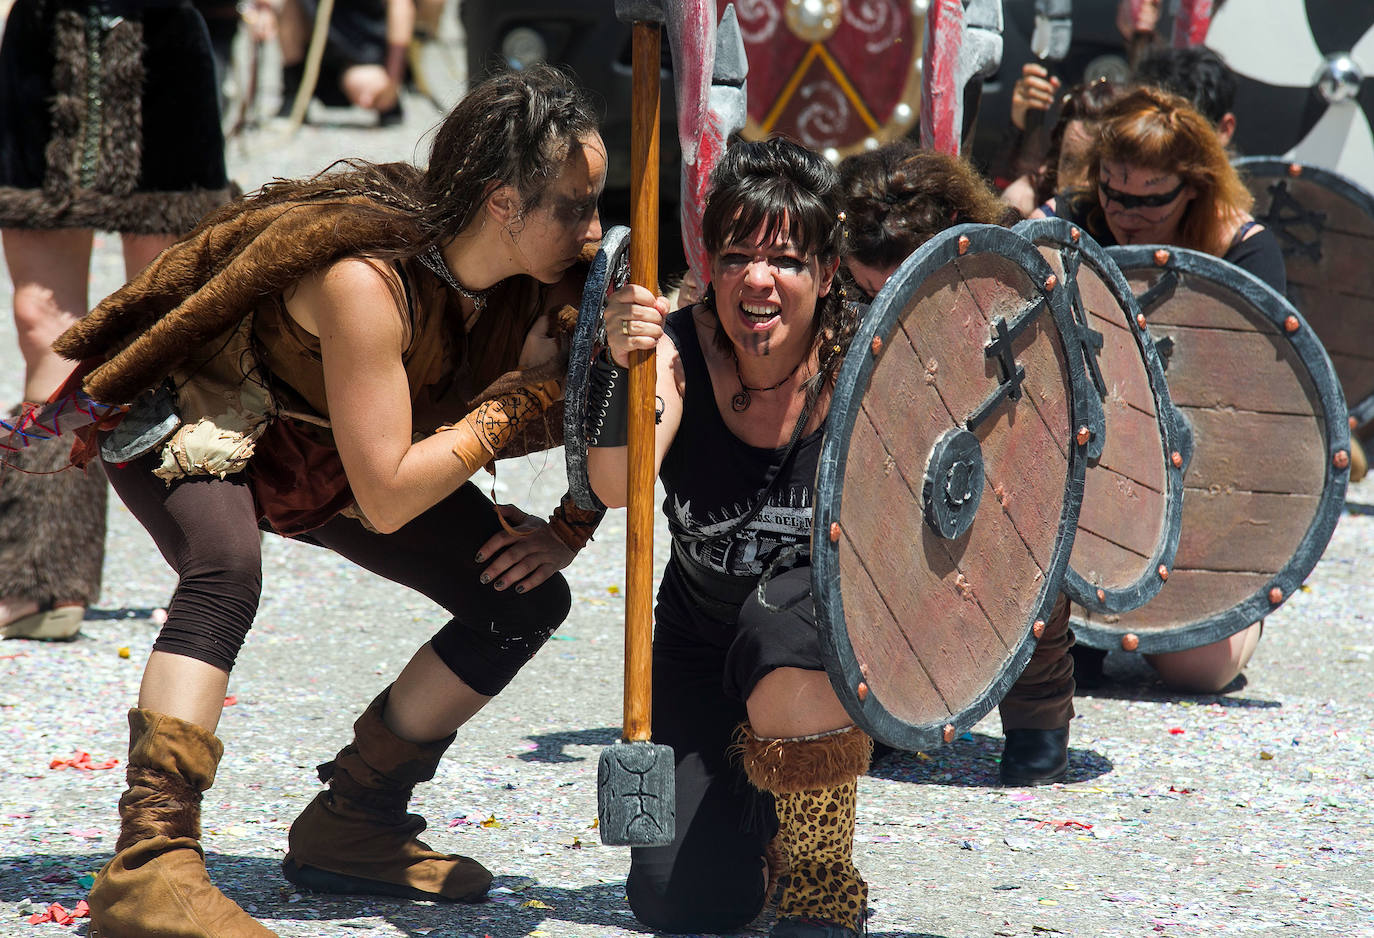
[762,745]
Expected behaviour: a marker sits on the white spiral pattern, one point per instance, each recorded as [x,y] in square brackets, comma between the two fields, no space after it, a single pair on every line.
[758,19]
[824,117]
[880,20]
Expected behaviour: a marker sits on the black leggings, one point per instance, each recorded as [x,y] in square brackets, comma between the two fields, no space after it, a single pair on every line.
[711,878]
[206,529]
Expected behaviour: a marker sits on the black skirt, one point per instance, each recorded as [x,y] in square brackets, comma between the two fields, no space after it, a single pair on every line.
[108,117]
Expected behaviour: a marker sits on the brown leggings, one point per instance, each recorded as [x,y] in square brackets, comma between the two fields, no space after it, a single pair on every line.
[207,530]
[1042,697]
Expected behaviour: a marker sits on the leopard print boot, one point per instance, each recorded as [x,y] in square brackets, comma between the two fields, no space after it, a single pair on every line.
[814,783]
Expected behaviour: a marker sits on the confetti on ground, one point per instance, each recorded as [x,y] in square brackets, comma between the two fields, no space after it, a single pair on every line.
[58,914]
[82,761]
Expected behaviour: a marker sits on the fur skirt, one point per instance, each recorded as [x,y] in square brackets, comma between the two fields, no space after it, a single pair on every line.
[109,117]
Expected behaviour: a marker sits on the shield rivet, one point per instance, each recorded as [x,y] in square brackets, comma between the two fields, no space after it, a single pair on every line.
[1051,282]
[1177,459]
[1130,641]
[1295,169]
[1163,572]
[1140,320]
[1275,596]
[862,691]
[876,345]
[1161,257]
[1038,629]
[1075,234]
[834,532]
[1083,436]
[1101,595]
[1341,460]
[949,732]
[964,244]
[1291,324]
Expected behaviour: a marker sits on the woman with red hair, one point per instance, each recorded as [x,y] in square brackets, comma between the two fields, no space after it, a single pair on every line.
[1160,175]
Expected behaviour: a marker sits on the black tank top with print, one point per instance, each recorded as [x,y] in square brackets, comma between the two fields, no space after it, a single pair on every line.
[712,478]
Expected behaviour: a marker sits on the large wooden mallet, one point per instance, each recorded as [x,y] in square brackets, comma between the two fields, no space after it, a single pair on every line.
[634,779]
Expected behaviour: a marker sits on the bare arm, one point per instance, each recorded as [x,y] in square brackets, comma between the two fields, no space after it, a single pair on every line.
[361,331]
[607,466]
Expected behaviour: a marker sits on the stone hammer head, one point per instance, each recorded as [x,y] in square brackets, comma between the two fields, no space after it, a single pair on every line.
[635,798]
[640,11]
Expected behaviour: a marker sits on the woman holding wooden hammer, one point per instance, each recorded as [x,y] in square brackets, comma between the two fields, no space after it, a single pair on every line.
[767,760]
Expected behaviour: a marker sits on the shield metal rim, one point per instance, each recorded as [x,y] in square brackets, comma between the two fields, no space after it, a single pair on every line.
[841,664]
[1066,235]
[1274,307]
[589,332]
[1269,167]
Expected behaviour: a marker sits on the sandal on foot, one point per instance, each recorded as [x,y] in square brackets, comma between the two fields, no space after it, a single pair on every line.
[57,623]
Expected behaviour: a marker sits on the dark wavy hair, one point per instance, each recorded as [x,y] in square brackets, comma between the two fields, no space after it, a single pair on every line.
[782,187]
[899,196]
[1196,73]
[514,128]
[1085,103]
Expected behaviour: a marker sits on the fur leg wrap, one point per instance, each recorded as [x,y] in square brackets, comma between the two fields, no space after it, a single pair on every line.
[357,837]
[814,783]
[52,525]
[157,884]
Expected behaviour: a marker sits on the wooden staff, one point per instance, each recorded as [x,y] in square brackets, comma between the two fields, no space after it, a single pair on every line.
[639,536]
[635,777]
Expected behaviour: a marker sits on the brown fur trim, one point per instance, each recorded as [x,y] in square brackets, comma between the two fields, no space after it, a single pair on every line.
[157,804]
[68,107]
[120,159]
[795,765]
[209,281]
[52,525]
[173,213]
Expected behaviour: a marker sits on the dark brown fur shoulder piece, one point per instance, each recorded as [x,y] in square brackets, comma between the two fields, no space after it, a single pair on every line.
[206,283]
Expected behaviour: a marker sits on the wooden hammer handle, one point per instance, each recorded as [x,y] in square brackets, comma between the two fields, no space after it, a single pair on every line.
[639,537]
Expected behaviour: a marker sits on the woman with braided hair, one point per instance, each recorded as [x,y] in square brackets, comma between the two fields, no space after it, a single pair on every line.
[344,354]
[762,745]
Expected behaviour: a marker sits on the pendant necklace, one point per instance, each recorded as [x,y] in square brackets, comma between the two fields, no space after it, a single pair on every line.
[432,259]
[741,401]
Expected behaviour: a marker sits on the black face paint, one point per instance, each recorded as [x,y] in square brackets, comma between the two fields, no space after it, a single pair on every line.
[1128,201]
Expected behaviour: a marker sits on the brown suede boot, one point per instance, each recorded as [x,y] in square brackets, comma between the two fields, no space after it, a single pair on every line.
[156,886]
[814,783]
[357,839]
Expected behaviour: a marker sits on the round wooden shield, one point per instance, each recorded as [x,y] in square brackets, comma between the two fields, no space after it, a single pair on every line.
[1133,492]
[1265,454]
[610,270]
[1325,224]
[949,485]
[835,75]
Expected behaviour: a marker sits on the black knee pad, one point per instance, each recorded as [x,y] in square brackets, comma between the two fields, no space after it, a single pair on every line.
[486,655]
